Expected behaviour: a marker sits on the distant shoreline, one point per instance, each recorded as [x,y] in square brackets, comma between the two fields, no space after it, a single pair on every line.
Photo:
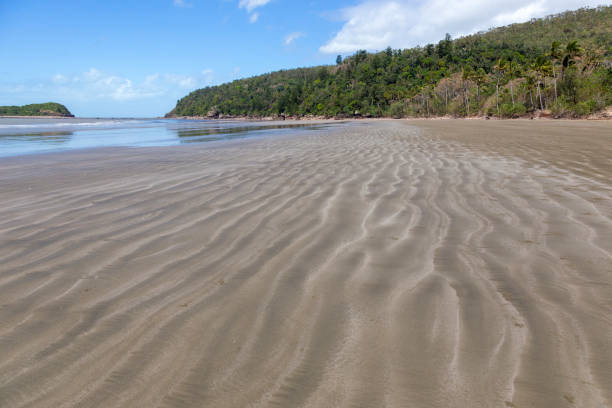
[605,115]
[602,115]
[37,117]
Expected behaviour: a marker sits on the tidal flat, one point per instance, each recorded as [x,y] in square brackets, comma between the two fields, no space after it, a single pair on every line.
[386,263]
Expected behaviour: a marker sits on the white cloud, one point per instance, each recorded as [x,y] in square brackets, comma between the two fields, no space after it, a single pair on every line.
[181,3]
[291,37]
[97,92]
[208,76]
[60,79]
[150,79]
[184,81]
[251,5]
[374,25]
[97,84]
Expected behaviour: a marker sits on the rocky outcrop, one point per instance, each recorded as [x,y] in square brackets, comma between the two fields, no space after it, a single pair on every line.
[213,113]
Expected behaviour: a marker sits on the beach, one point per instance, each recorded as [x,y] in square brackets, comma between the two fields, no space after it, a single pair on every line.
[389,263]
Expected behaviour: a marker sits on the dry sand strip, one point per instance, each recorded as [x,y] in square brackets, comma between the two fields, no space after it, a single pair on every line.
[381,264]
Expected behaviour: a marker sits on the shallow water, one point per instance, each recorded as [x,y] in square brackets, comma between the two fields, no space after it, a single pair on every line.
[19,136]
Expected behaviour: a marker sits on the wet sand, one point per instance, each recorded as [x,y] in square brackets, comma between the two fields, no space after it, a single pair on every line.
[383,264]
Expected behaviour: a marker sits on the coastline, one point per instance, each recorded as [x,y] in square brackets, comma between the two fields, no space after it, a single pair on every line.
[605,114]
[38,117]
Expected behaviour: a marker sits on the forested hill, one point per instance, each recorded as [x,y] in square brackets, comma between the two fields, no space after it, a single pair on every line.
[561,63]
[36,109]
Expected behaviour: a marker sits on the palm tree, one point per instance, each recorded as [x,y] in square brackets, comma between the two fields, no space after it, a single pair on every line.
[573,51]
[422,98]
[500,69]
[446,97]
[442,87]
[425,93]
[555,55]
[514,71]
[541,68]
[468,74]
[480,77]
[530,83]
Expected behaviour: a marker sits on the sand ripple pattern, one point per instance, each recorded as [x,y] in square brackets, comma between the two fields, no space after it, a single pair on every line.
[381,264]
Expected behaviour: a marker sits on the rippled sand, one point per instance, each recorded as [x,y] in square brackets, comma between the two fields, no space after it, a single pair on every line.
[382,264]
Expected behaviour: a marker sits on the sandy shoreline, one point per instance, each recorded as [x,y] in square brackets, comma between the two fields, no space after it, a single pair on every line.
[390,264]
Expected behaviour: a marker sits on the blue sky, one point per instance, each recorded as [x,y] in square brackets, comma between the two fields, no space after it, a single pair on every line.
[136,58]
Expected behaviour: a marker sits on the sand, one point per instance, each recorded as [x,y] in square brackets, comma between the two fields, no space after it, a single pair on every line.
[381,264]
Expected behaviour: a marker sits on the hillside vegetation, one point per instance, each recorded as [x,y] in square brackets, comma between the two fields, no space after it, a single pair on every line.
[561,63]
[36,109]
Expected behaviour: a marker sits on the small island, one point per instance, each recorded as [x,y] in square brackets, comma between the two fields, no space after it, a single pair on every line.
[37,109]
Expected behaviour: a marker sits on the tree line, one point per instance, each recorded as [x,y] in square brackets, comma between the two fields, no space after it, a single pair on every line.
[561,64]
[36,109]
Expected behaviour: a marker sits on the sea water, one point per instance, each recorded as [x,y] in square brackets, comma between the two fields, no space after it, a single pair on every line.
[19,136]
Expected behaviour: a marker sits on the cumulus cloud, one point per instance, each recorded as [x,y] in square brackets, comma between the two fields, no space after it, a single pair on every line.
[374,25]
[184,81]
[251,5]
[96,92]
[60,79]
[292,37]
[97,85]
[100,85]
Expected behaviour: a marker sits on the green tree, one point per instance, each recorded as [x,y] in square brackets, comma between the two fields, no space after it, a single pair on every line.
[530,84]
[513,71]
[573,51]
[480,78]
[541,69]
[555,56]
[467,75]
[439,79]
[500,68]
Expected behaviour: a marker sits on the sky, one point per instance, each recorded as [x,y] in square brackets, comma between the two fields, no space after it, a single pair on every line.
[129,58]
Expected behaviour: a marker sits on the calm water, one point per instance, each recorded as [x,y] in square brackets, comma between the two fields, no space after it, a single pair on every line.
[28,136]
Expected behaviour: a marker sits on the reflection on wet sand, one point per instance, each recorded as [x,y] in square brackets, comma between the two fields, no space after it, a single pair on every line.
[27,136]
[197,135]
[39,137]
